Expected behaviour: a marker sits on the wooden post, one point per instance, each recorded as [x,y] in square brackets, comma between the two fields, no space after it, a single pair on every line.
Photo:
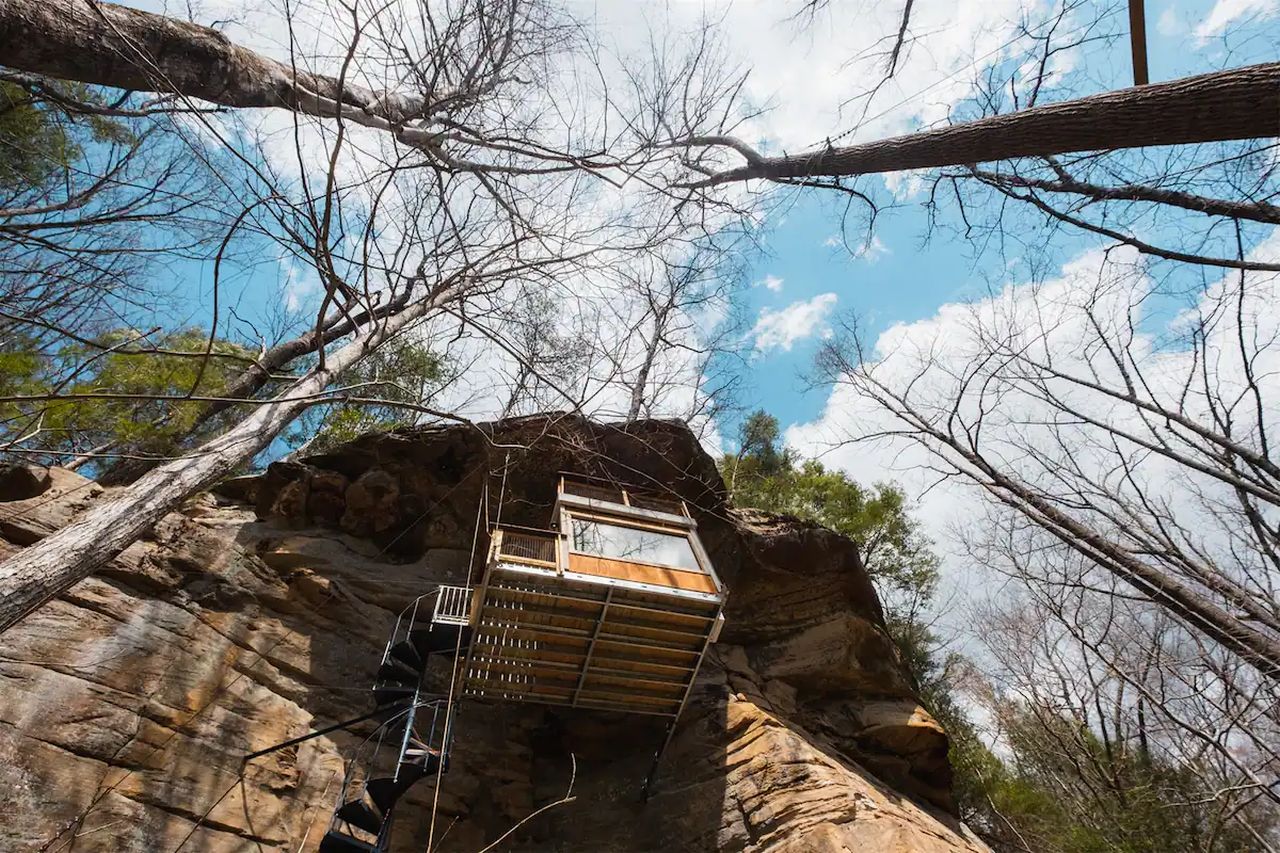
[1138,41]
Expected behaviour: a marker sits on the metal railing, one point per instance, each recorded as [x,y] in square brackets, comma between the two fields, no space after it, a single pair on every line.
[524,547]
[657,504]
[406,621]
[382,753]
[453,605]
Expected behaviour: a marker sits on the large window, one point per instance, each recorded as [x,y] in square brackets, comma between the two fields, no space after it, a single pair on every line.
[619,542]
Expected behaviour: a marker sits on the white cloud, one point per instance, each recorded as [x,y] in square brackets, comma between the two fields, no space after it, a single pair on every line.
[906,186]
[872,250]
[301,287]
[1051,320]
[949,341]
[805,74]
[798,321]
[1170,23]
[1227,12]
[770,282]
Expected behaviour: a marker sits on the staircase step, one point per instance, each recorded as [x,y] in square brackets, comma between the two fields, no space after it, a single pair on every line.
[417,761]
[392,716]
[405,652]
[340,842]
[440,639]
[360,813]
[384,790]
[387,694]
[394,670]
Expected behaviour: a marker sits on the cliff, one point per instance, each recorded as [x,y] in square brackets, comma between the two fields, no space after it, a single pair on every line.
[260,613]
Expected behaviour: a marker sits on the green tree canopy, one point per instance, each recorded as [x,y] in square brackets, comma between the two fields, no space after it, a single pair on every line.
[402,373]
[1055,785]
[897,555]
[129,399]
[39,141]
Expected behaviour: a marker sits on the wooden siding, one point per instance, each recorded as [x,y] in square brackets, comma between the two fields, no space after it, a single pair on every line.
[626,570]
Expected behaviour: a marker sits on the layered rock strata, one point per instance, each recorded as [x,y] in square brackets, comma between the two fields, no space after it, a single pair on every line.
[260,613]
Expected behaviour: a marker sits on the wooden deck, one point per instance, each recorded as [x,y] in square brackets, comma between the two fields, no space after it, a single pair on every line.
[562,641]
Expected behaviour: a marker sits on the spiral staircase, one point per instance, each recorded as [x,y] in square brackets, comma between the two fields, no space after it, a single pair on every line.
[412,742]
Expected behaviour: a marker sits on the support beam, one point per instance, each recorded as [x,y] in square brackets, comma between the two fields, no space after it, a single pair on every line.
[319,732]
[591,646]
[1138,41]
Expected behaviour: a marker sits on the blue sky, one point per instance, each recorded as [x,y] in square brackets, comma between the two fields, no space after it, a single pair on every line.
[910,278]
[904,278]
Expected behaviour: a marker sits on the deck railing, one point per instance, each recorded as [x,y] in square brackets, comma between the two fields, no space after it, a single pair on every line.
[658,504]
[453,605]
[524,546]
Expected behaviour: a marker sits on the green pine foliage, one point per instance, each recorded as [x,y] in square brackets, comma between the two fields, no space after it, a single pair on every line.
[897,555]
[401,372]
[129,403]
[40,142]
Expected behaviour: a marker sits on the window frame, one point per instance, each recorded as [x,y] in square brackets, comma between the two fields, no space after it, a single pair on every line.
[636,524]
[626,494]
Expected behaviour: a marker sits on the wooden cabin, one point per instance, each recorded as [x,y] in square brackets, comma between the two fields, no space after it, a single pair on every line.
[613,609]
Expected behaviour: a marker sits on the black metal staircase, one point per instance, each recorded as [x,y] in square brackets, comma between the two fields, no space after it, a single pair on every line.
[412,743]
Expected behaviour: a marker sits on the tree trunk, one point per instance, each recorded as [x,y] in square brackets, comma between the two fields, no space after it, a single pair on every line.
[1243,103]
[650,355]
[39,573]
[109,45]
[250,381]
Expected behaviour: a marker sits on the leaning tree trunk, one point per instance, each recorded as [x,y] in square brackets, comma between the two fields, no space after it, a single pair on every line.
[1243,103]
[35,575]
[110,45]
[646,367]
[250,381]
[1259,648]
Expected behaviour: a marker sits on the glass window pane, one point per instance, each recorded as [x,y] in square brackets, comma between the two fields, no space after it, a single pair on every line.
[631,543]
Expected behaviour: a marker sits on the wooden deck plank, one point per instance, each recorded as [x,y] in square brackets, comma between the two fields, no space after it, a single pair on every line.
[600,662]
[694,621]
[489,627]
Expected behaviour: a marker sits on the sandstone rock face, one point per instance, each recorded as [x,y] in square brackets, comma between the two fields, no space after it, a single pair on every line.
[259,614]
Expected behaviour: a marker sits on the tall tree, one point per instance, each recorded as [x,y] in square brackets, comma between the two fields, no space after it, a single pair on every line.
[679,328]
[481,184]
[1057,406]
[894,550]
[1119,732]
